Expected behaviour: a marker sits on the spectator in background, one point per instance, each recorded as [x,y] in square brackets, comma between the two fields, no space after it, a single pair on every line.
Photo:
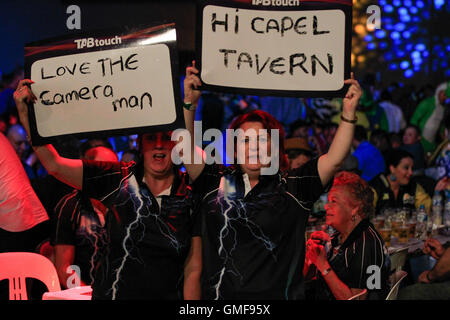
[299,128]
[395,189]
[429,114]
[342,270]
[370,159]
[380,139]
[92,143]
[411,143]
[130,155]
[395,140]
[394,114]
[18,139]
[298,152]
[374,112]
[439,162]
[433,284]
[79,235]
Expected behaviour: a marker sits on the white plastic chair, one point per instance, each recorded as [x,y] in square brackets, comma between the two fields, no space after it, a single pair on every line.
[17,266]
[395,280]
[359,295]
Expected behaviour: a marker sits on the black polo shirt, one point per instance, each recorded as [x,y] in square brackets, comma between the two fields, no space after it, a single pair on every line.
[147,245]
[254,243]
[350,261]
[81,224]
[385,197]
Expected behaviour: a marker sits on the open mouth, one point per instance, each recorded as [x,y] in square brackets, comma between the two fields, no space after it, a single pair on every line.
[159,156]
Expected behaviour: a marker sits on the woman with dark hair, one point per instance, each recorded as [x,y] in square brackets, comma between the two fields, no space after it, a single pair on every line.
[356,250]
[395,189]
[252,216]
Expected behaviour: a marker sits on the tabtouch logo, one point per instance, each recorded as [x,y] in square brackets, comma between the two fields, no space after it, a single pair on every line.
[93,42]
[279,3]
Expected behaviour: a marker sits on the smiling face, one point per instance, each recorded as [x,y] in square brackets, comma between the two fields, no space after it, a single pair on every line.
[339,208]
[156,149]
[403,171]
[249,145]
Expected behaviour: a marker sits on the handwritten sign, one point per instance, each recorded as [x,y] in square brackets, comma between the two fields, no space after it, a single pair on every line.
[300,51]
[127,88]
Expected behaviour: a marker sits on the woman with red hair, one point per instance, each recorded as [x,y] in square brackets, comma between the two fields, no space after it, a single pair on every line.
[252,215]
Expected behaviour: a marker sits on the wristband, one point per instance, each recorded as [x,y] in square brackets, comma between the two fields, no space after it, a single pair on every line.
[349,121]
[327,271]
[189,106]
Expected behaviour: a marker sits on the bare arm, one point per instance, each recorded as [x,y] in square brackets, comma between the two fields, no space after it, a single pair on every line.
[192,96]
[441,270]
[69,171]
[64,257]
[193,271]
[316,253]
[330,162]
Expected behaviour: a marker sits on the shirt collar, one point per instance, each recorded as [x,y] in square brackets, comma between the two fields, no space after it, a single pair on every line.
[353,236]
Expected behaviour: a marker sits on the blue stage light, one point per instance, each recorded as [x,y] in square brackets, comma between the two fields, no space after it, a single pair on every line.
[404,64]
[380,34]
[413,10]
[408,73]
[371,46]
[425,54]
[407,3]
[368,38]
[447,73]
[395,35]
[415,54]
[439,3]
[393,66]
[399,26]
[420,4]
[406,34]
[405,18]
[388,8]
[383,45]
[397,3]
[420,47]
[402,11]
[400,53]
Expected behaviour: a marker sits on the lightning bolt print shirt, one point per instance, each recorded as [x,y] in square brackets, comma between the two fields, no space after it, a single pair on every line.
[254,240]
[147,244]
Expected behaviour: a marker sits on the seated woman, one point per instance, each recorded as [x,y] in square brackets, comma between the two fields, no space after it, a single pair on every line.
[395,189]
[357,258]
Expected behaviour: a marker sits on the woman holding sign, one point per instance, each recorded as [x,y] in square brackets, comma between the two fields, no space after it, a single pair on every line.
[252,221]
[149,233]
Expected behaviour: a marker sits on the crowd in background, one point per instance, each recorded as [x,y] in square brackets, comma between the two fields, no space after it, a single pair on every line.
[396,117]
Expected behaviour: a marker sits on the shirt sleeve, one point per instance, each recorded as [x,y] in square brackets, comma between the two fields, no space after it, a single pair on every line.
[67,211]
[206,180]
[101,179]
[305,184]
